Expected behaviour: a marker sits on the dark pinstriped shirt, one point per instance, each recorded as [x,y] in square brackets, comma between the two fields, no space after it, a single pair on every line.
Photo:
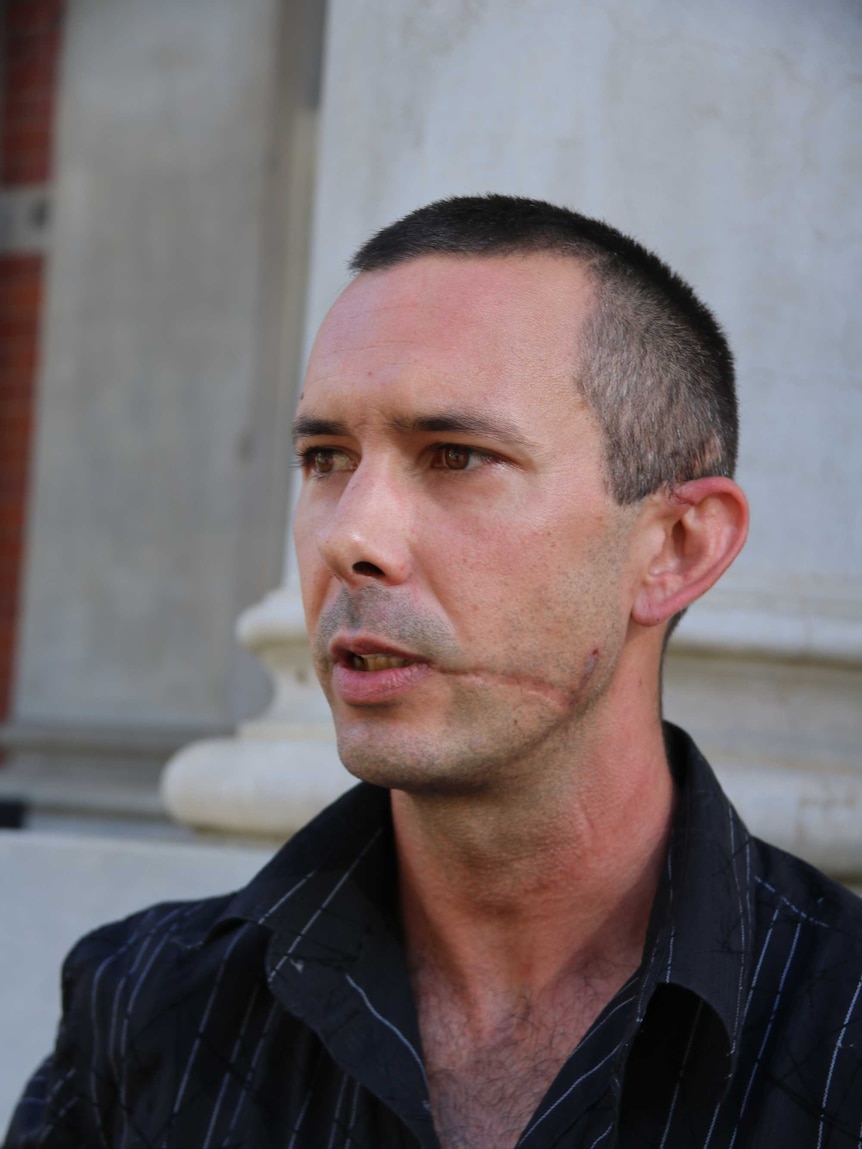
[283,1016]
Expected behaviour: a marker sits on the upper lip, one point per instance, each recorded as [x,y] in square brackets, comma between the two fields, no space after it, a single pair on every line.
[342,646]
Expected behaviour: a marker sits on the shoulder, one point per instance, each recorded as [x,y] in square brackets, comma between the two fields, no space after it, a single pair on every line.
[122,945]
[159,964]
[800,1023]
[806,967]
[790,889]
[135,992]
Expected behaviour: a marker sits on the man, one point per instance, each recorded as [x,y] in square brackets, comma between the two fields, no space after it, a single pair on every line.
[542,923]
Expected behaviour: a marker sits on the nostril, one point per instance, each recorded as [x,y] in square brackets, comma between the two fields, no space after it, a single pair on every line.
[364,568]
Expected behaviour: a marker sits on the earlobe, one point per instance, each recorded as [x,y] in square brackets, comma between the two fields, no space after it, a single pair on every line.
[697,530]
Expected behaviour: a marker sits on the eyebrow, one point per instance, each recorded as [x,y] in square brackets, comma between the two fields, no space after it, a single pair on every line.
[463,421]
[309,426]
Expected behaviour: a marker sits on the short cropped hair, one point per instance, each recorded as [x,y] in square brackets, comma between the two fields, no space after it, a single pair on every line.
[656,368]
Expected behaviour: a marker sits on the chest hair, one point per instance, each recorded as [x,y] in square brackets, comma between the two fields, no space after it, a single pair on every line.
[485,1087]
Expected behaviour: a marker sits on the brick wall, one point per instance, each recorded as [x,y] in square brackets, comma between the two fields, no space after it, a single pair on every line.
[30,42]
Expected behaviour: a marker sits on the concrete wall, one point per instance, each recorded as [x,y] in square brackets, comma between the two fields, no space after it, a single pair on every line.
[141,548]
[729,138]
[54,890]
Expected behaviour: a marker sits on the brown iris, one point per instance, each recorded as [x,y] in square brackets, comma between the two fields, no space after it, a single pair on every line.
[456,458]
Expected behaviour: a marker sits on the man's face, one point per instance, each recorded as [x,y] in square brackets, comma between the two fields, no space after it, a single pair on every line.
[465,574]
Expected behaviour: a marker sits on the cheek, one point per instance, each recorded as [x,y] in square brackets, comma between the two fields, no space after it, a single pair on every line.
[551,597]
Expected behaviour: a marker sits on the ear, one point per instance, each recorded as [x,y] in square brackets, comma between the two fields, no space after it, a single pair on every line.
[692,534]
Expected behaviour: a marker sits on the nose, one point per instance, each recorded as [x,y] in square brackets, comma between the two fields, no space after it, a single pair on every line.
[365,533]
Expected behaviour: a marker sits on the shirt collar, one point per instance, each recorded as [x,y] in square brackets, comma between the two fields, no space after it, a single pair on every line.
[328,898]
[334,958]
[344,856]
[700,932]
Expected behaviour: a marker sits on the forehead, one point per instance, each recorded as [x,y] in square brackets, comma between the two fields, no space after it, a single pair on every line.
[492,326]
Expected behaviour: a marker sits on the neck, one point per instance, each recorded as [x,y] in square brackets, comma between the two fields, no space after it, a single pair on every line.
[510,894]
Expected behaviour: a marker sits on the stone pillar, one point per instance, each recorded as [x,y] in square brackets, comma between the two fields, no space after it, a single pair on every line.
[681,122]
[172,341]
[282,767]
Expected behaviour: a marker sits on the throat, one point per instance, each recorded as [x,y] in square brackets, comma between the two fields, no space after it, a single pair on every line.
[487,1077]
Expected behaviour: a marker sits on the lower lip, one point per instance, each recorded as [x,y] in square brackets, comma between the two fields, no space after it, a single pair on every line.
[365,687]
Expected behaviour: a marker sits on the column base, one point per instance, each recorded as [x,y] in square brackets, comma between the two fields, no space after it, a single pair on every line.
[265,788]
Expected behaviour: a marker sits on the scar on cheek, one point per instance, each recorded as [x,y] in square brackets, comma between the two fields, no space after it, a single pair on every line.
[590,664]
[536,686]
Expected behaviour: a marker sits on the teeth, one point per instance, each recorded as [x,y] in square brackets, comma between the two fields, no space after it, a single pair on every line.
[376,662]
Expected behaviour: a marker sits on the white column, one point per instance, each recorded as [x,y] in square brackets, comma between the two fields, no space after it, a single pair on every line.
[282,767]
[681,122]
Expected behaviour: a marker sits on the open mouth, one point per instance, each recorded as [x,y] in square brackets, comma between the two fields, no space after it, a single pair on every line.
[376,662]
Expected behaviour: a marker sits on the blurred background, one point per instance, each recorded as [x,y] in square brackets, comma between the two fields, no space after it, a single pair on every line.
[181,185]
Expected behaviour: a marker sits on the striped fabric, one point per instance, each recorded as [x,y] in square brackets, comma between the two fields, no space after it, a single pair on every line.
[282,1016]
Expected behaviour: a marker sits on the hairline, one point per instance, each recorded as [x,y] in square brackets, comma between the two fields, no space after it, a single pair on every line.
[599,308]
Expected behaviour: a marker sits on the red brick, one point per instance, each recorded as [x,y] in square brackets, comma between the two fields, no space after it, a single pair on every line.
[28,109]
[16,430]
[25,98]
[32,168]
[30,14]
[16,465]
[19,328]
[25,168]
[18,372]
[11,551]
[21,298]
[18,421]
[7,653]
[27,128]
[29,70]
[19,357]
[20,264]
[14,481]
[22,138]
[9,600]
[10,478]
[16,426]
[16,417]
[17,389]
[9,586]
[11,518]
[9,603]
[45,32]
[20,268]
[17,386]
[31,34]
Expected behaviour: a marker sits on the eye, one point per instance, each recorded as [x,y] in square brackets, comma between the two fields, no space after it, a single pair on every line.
[322,461]
[456,457]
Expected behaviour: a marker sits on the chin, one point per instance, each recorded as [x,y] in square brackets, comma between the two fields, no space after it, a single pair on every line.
[401,764]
